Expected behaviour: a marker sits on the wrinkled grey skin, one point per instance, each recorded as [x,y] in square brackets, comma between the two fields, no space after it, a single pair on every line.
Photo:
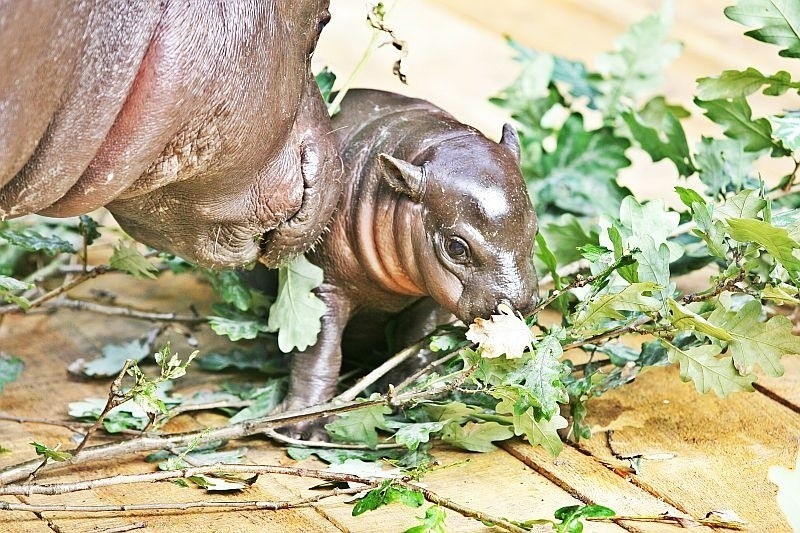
[420,189]
[198,124]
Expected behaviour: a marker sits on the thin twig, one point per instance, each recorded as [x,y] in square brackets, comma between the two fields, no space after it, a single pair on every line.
[434,498]
[208,406]
[246,428]
[379,372]
[28,489]
[284,439]
[119,310]
[335,105]
[427,368]
[72,426]
[228,505]
[671,519]
[115,398]
[90,274]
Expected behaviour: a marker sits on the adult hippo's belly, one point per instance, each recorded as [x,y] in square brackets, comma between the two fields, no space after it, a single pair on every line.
[198,124]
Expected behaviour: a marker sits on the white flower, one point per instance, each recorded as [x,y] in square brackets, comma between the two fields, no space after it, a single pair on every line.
[505,333]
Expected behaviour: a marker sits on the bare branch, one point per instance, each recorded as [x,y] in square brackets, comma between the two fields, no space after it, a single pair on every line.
[119,310]
[148,442]
[284,439]
[379,372]
[27,489]
[225,505]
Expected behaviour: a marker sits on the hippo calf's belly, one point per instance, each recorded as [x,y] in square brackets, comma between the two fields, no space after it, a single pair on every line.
[433,214]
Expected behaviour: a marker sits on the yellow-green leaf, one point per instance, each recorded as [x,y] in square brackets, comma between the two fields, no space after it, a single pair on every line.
[709,372]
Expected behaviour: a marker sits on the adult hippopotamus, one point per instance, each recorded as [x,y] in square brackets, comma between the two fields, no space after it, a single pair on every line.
[432,212]
[198,124]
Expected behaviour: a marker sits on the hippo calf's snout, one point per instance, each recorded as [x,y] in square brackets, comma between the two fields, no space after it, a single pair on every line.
[432,211]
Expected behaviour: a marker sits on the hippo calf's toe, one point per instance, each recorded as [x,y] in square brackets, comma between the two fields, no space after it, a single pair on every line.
[431,209]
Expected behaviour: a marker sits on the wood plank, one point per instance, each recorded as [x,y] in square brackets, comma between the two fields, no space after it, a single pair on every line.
[720,449]
[493,482]
[590,481]
[22,522]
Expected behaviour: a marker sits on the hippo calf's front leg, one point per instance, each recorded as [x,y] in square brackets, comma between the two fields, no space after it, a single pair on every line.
[315,371]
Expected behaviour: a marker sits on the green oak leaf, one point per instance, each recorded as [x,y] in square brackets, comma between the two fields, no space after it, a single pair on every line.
[476,437]
[689,196]
[608,306]
[444,412]
[88,228]
[709,372]
[52,454]
[325,81]
[746,204]
[359,426]
[128,259]
[775,22]
[10,369]
[432,522]
[566,235]
[638,61]
[754,342]
[664,139]
[740,83]
[113,357]
[230,286]
[710,230]
[684,318]
[736,117]
[786,128]
[541,374]
[650,219]
[573,74]
[388,493]
[580,175]
[9,286]
[297,312]
[776,241]
[32,241]
[264,402]
[783,294]
[412,435]
[654,266]
[238,328]
[724,164]
[539,432]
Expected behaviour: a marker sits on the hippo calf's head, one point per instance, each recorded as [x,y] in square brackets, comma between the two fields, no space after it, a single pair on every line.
[473,248]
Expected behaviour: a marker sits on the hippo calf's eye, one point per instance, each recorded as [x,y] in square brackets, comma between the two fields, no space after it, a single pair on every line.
[457,249]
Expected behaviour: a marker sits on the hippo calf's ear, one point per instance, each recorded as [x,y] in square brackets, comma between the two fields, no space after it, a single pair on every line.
[510,140]
[404,177]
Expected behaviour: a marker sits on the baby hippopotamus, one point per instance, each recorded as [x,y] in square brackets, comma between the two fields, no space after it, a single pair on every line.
[431,210]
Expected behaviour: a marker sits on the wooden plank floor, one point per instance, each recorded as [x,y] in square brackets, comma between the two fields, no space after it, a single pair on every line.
[699,453]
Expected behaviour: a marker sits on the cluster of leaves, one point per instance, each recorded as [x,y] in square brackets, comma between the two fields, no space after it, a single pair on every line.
[629,251]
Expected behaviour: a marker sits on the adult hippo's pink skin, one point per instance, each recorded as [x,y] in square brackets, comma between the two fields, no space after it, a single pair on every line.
[197,123]
[435,218]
